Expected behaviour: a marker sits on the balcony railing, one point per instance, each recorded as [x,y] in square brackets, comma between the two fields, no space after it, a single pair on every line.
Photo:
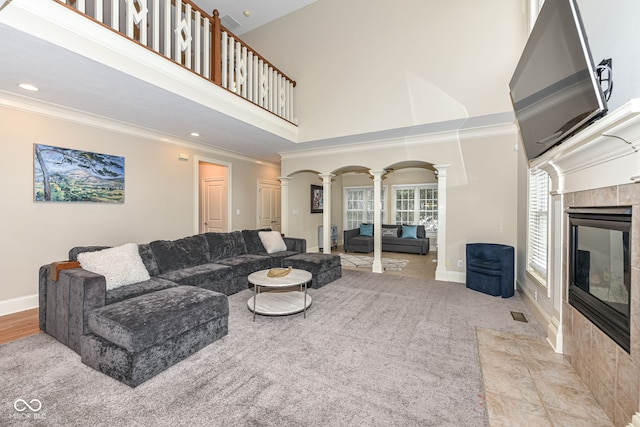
[185,34]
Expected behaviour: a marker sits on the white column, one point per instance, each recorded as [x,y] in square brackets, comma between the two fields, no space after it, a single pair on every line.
[284,204]
[441,269]
[326,212]
[377,220]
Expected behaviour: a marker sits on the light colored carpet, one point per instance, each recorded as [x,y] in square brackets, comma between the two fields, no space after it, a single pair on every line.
[374,350]
[365,261]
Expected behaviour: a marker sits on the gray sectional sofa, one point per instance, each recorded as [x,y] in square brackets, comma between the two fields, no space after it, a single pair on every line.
[392,240]
[135,331]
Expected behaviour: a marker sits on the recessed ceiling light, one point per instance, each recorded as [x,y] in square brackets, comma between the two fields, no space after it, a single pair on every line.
[247,13]
[195,134]
[27,86]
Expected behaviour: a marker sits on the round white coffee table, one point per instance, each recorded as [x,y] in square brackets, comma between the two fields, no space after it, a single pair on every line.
[278,301]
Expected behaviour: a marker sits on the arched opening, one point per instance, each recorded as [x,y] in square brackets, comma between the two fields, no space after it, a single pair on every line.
[409,195]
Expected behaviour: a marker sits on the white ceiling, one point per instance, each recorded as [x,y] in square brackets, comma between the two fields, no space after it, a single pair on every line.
[260,11]
[71,80]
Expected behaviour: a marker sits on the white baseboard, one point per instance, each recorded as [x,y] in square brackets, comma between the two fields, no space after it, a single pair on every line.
[551,325]
[451,276]
[18,304]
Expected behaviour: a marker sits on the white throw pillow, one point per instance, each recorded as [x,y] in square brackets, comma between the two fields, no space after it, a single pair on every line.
[120,266]
[272,241]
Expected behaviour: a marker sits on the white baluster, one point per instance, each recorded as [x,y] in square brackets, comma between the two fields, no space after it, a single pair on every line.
[264,84]
[273,90]
[115,15]
[183,34]
[81,6]
[196,47]
[99,11]
[206,49]
[231,65]
[245,58]
[137,18]
[186,43]
[167,28]
[224,55]
[241,69]
[155,26]
[250,76]
[283,97]
[290,117]
[256,80]
[177,50]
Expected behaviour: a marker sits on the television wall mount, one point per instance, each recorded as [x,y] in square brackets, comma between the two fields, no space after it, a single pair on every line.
[604,74]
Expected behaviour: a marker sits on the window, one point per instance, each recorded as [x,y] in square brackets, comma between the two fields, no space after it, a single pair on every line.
[538,223]
[358,203]
[416,204]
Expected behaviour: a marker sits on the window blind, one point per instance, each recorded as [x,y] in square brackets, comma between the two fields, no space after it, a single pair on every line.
[538,221]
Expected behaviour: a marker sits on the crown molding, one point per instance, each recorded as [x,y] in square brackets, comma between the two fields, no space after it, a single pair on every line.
[466,134]
[29,105]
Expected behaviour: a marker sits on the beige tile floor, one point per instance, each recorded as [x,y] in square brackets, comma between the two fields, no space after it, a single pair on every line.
[526,382]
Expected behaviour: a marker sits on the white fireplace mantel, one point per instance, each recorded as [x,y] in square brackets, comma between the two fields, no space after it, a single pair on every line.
[605,153]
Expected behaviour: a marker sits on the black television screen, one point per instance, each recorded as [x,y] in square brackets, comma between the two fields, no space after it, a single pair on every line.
[554,89]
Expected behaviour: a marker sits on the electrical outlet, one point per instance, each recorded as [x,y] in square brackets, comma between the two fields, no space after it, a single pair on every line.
[535,294]
[460,263]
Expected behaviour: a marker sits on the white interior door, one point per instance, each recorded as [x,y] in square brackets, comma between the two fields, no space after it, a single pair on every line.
[269,209]
[214,204]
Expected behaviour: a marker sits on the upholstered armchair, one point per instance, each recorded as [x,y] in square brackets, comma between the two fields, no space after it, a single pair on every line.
[490,269]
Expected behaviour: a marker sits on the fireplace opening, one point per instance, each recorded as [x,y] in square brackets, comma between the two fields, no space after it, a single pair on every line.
[600,268]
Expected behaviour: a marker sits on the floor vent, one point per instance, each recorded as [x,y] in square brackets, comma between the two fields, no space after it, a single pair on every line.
[518,316]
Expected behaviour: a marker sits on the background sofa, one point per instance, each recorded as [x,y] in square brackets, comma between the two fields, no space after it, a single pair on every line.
[392,240]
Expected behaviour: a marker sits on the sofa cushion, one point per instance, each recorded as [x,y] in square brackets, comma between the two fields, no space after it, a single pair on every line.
[150,319]
[253,242]
[389,232]
[182,253]
[74,252]
[490,267]
[134,290]
[225,245]
[272,241]
[199,275]
[366,229]
[243,265]
[278,257]
[149,259]
[312,262]
[120,266]
[409,231]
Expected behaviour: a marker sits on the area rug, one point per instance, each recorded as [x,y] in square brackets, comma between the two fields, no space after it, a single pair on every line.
[374,350]
[365,261]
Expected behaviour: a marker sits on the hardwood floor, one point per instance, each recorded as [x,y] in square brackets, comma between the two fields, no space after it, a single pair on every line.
[19,325]
[22,324]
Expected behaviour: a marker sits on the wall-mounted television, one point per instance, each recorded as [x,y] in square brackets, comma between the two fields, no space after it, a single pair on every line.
[554,88]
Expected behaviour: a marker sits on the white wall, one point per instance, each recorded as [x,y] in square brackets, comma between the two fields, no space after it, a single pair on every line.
[613,32]
[160,197]
[481,183]
[370,65]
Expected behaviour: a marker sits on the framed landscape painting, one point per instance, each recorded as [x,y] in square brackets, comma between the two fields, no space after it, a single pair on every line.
[67,175]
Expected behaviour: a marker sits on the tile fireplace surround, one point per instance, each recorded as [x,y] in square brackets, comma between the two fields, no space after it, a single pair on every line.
[611,374]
